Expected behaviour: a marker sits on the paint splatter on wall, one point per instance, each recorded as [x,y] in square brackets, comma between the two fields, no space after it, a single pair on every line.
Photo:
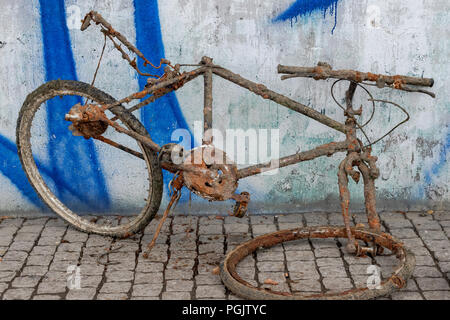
[303,8]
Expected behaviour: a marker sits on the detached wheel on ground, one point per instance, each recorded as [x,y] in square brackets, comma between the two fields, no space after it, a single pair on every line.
[240,287]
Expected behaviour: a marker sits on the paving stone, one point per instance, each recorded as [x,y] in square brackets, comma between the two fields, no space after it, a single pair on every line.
[201,279]
[115,287]
[26,281]
[337,284]
[21,245]
[424,261]
[119,276]
[75,236]
[212,220]
[10,265]
[289,225]
[176,296]
[90,281]
[29,237]
[171,274]
[81,294]
[15,256]
[39,260]
[263,229]
[49,241]
[179,263]
[43,250]
[7,276]
[269,255]
[405,295]
[18,294]
[445,266]
[324,262]
[46,297]
[427,225]
[179,285]
[47,286]
[210,291]
[297,245]
[5,240]
[291,218]
[299,256]
[432,284]
[306,286]
[327,253]
[236,228]
[211,229]
[210,248]
[426,272]
[112,296]
[66,256]
[333,271]
[261,220]
[3,251]
[437,295]
[147,290]
[154,277]
[270,266]
[70,247]
[404,233]
[3,287]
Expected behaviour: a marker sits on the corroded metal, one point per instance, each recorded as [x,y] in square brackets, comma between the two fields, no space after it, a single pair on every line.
[396,280]
[207,171]
[214,176]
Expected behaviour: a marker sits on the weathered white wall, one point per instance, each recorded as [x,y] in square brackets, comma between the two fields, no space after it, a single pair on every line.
[381,36]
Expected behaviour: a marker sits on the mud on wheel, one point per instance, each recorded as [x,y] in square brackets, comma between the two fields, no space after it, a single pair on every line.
[240,287]
[62,88]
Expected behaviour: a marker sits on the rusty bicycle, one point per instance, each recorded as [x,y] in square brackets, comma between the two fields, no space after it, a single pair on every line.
[218,180]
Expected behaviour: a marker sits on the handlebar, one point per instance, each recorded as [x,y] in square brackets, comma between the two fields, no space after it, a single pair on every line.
[324,71]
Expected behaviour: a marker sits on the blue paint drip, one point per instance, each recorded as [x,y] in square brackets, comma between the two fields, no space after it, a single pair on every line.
[73,159]
[165,115]
[302,8]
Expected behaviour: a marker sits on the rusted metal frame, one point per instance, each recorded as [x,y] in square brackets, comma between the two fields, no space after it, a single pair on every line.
[323,150]
[324,71]
[184,78]
[396,281]
[125,56]
[369,197]
[207,107]
[143,139]
[344,194]
[98,19]
[119,146]
[266,93]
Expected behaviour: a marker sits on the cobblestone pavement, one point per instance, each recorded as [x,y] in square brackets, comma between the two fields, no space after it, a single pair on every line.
[36,254]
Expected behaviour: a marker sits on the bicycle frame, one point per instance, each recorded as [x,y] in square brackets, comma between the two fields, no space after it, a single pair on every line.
[358,155]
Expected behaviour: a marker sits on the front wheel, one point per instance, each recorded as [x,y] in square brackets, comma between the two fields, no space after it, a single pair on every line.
[73,179]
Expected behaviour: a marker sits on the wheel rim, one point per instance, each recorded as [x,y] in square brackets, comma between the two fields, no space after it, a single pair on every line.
[49,196]
[242,288]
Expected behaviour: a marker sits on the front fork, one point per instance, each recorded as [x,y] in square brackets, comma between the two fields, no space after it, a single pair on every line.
[358,157]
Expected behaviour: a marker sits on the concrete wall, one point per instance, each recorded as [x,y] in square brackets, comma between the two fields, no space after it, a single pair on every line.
[41,40]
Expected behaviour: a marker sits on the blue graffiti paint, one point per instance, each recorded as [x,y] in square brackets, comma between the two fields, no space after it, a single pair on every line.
[74,160]
[301,8]
[165,115]
[436,168]
[11,168]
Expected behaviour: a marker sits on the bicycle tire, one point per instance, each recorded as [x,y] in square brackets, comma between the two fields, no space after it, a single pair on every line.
[56,88]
